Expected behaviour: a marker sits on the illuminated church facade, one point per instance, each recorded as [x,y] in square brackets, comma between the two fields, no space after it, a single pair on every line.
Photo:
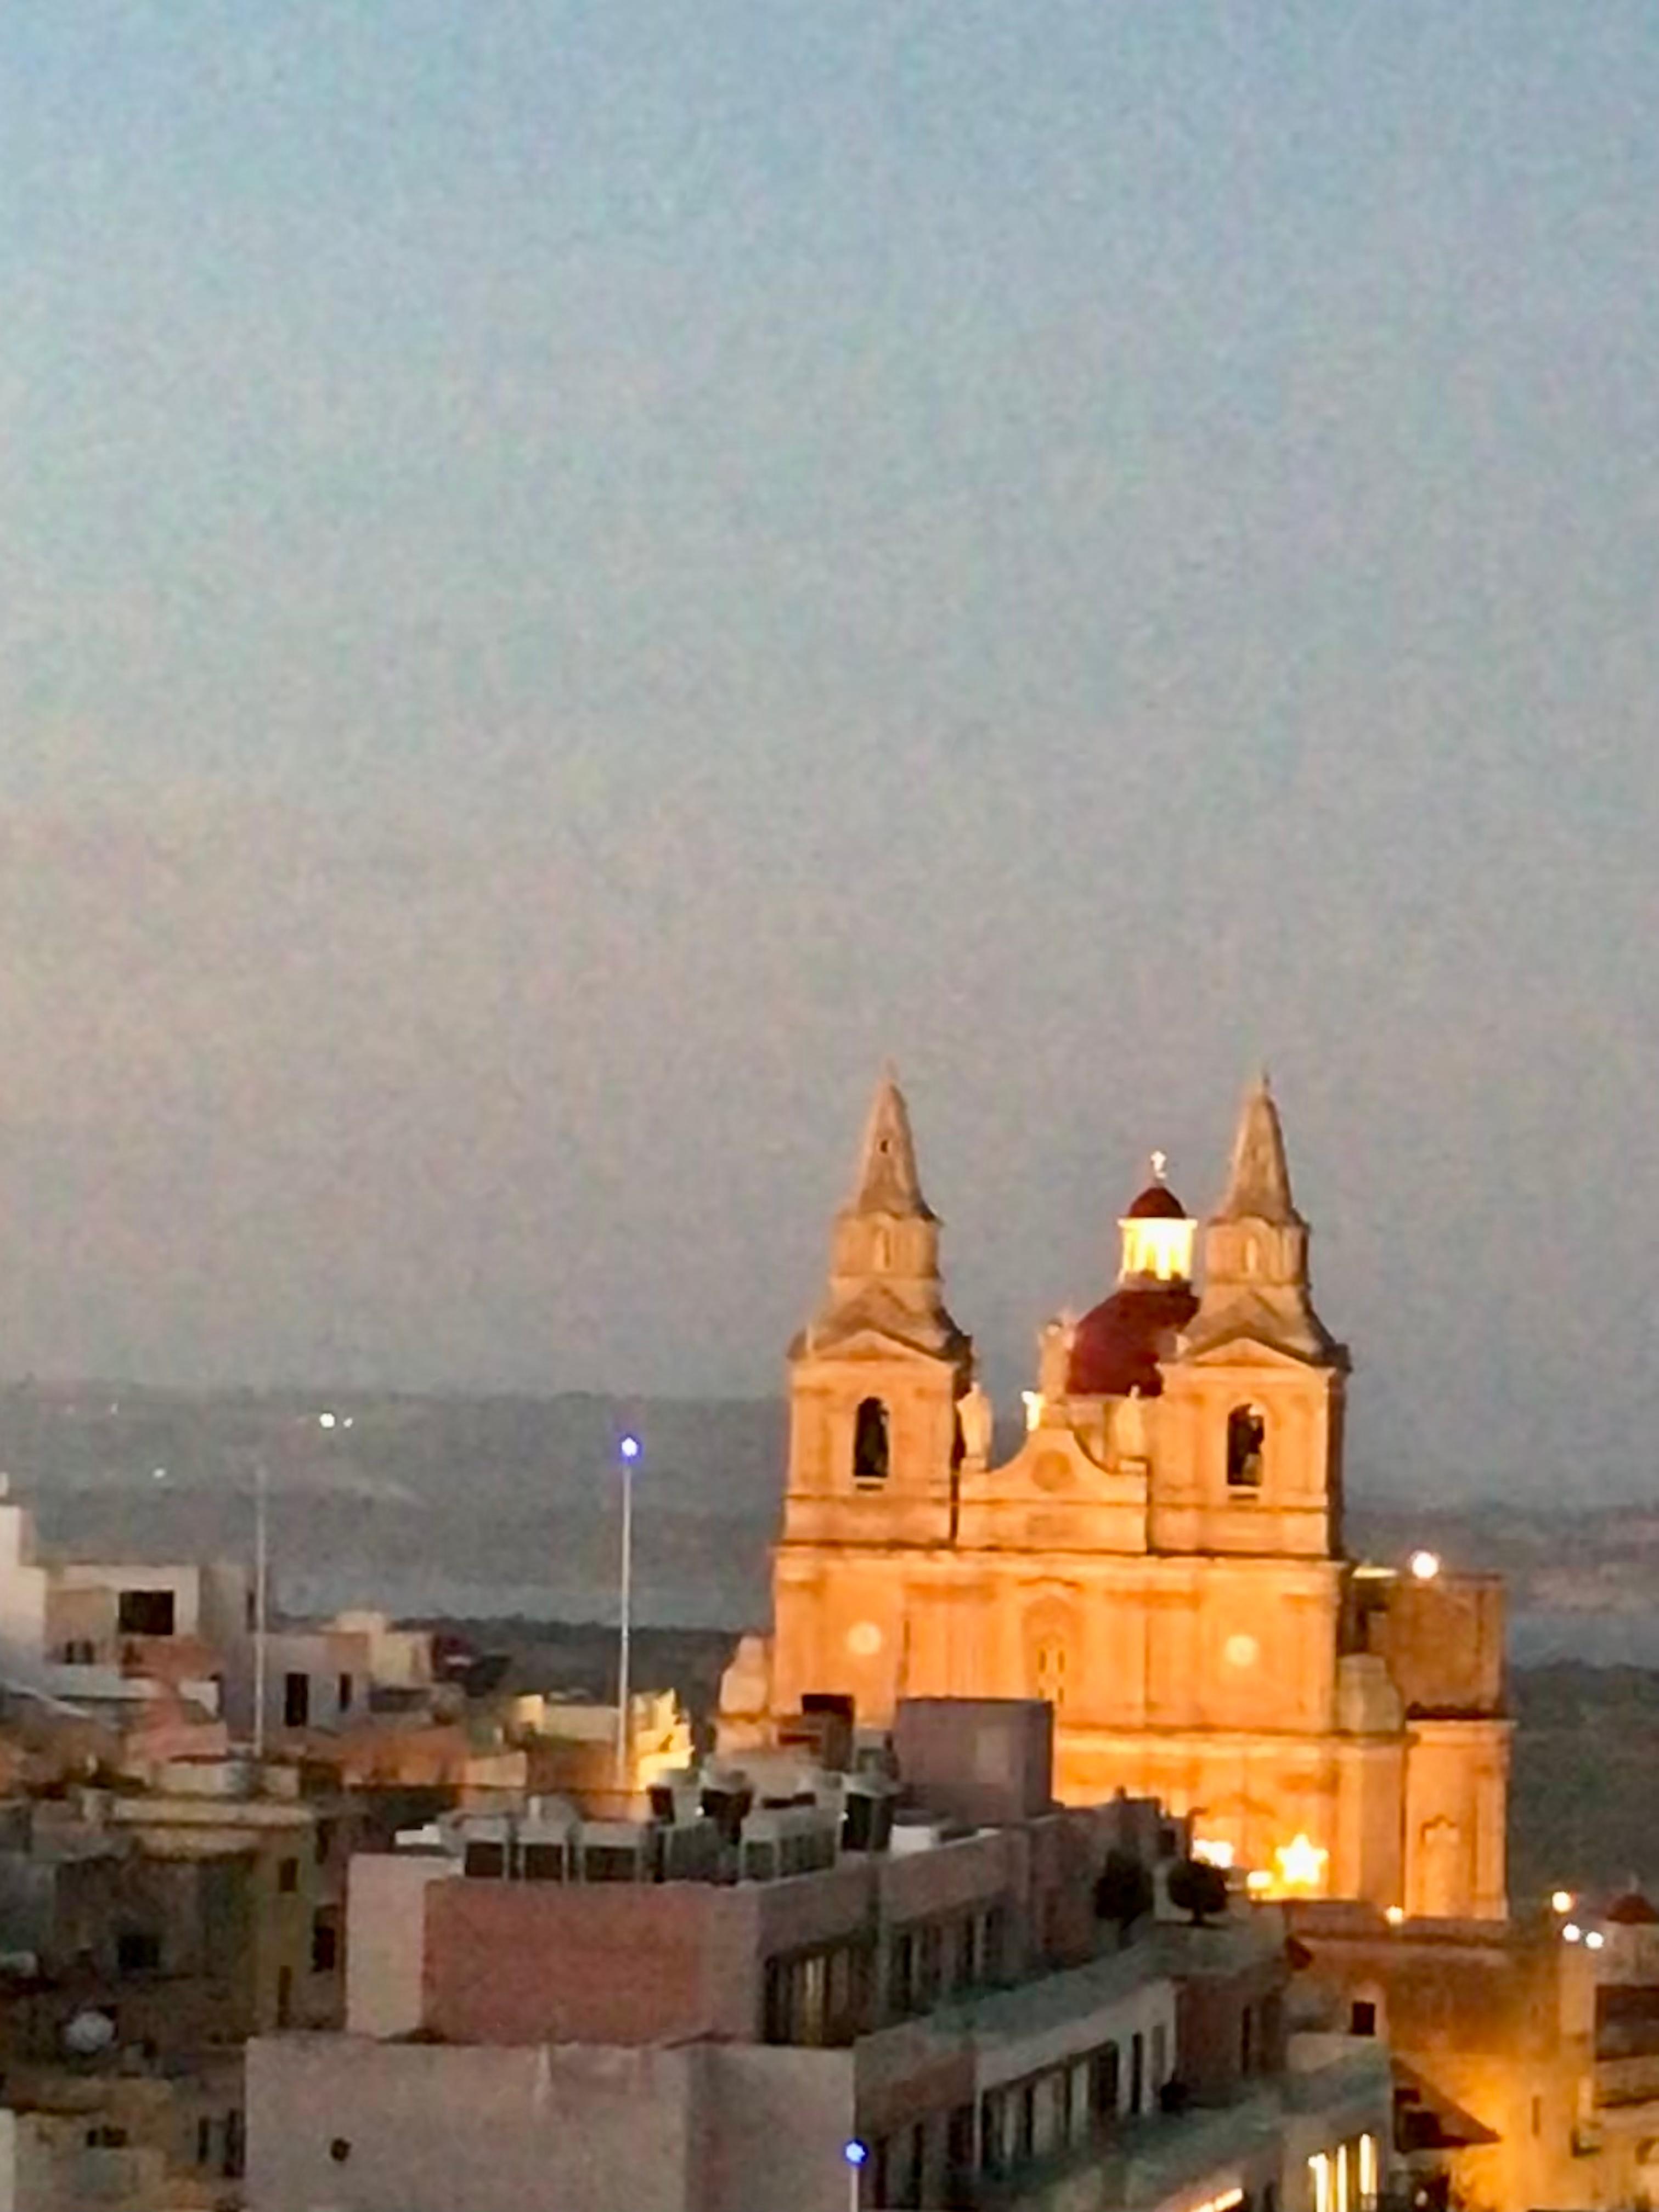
[1162,1558]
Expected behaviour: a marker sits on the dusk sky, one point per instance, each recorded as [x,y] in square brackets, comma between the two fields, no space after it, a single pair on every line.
[572,577]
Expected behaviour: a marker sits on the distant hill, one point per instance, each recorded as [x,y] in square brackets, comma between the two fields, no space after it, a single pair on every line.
[445,1503]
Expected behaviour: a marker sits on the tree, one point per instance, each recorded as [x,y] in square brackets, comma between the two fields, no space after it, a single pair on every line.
[1123,1892]
[1198,1889]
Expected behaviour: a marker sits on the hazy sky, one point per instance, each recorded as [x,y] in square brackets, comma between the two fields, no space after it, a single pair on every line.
[572,576]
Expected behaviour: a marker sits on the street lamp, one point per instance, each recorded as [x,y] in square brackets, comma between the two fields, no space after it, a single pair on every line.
[628,1453]
[857,2155]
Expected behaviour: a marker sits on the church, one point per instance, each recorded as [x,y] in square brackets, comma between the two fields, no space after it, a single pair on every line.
[1162,1559]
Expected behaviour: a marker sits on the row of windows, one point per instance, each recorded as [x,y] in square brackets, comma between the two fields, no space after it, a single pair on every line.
[828,1996]
[1062,2108]
[1247,1437]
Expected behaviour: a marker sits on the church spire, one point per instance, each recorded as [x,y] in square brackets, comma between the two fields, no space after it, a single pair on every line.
[887,1182]
[1255,1247]
[1259,1183]
[883,1262]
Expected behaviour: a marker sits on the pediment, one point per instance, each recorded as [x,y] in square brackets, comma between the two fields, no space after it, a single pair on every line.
[1248,1346]
[1052,1466]
[865,1343]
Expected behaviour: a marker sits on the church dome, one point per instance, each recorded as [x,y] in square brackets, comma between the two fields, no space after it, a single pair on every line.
[1115,1350]
[1632,1909]
[1157,1202]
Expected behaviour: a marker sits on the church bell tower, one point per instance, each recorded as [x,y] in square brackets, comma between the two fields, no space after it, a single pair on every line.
[875,1441]
[1253,1398]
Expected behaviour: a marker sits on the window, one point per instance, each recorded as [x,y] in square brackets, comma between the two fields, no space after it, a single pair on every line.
[296,1700]
[288,1876]
[1160,2056]
[992,2149]
[203,2142]
[138,1951]
[342,1692]
[869,1454]
[325,1942]
[1049,1672]
[1103,2082]
[959,2150]
[542,1861]
[1362,2017]
[903,1982]
[144,1612]
[284,1996]
[1247,1431]
[1136,2074]
[324,1841]
[79,1651]
[1026,2120]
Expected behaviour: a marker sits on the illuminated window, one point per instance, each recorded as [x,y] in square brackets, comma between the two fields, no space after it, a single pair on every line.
[1368,2176]
[870,1442]
[1247,1430]
[1319,2172]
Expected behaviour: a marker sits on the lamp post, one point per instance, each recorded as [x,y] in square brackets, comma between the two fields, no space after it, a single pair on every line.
[857,2155]
[261,1579]
[628,1452]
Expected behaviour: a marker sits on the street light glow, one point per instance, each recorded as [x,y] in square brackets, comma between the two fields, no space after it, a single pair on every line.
[629,1449]
[1562,1900]
[856,2152]
[1425,1565]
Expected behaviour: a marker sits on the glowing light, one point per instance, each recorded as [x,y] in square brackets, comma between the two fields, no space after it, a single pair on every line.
[856,2153]
[628,1450]
[1562,1900]
[1318,2168]
[1226,2203]
[158,1475]
[325,1420]
[1214,1850]
[1425,1565]
[1032,1401]
[1240,1650]
[1301,1863]
[1395,1915]
[1258,1880]
[1572,1933]
[1595,1940]
[1367,2166]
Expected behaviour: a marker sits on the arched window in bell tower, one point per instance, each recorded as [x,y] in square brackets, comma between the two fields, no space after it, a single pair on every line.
[869,1445]
[1048,1671]
[1247,1434]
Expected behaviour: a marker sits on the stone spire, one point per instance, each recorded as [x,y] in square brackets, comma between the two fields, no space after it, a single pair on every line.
[1255,1248]
[887,1182]
[1259,1185]
[883,1262]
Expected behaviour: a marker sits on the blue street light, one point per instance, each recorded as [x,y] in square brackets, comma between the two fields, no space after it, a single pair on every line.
[856,2154]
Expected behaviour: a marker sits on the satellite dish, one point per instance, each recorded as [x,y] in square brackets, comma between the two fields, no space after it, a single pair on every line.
[87,2033]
